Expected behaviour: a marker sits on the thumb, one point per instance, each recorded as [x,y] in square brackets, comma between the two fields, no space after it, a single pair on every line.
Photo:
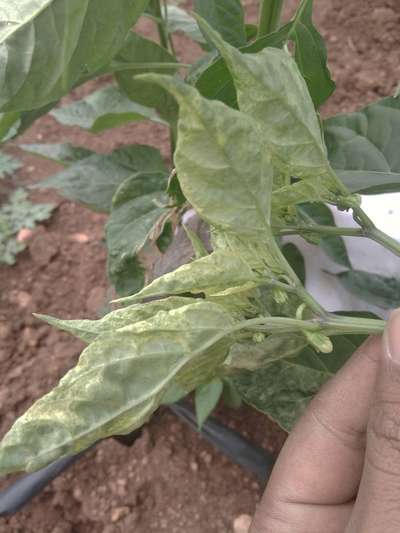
[377,506]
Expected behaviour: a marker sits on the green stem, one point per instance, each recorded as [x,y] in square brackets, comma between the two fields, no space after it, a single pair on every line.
[331,325]
[302,293]
[385,240]
[162,30]
[118,67]
[324,230]
[374,233]
[270,15]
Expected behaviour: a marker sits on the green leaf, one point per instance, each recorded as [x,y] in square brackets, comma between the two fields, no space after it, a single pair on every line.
[104,109]
[333,246]
[272,91]
[8,125]
[225,16]
[93,181]
[63,153]
[60,38]
[223,170]
[119,382]
[140,50]
[8,165]
[214,81]
[372,288]
[90,330]
[363,147]
[218,272]
[310,54]
[137,207]
[295,260]
[179,20]
[283,389]
[166,237]
[206,399]
[16,214]
[198,246]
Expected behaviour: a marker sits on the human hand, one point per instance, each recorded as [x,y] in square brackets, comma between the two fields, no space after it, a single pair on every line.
[339,471]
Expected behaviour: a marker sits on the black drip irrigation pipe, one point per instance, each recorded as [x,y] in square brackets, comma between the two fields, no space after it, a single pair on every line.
[243,452]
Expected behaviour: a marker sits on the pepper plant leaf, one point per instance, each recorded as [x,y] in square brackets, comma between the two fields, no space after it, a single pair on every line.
[283,389]
[271,90]
[229,187]
[206,399]
[90,330]
[216,82]
[104,109]
[60,38]
[225,16]
[377,290]
[363,147]
[63,153]
[211,274]
[137,206]
[94,180]
[119,381]
[144,53]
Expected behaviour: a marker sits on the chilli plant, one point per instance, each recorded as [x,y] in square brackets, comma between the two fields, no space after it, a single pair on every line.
[251,156]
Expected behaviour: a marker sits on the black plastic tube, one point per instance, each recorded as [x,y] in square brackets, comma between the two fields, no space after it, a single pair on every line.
[22,491]
[243,452]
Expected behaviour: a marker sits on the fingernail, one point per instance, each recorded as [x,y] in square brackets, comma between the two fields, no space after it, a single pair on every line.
[392,336]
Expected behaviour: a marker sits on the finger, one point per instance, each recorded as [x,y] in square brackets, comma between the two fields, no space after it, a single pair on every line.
[378,502]
[322,460]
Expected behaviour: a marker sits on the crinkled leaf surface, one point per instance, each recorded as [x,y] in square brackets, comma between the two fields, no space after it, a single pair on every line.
[333,246]
[104,109]
[256,355]
[272,91]
[90,330]
[363,147]
[225,16]
[93,181]
[138,49]
[64,153]
[119,381]
[222,169]
[372,288]
[215,80]
[64,39]
[284,388]
[212,274]
[137,206]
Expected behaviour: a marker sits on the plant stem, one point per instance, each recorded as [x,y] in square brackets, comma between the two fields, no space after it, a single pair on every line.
[270,15]
[324,230]
[162,31]
[118,67]
[374,233]
[331,325]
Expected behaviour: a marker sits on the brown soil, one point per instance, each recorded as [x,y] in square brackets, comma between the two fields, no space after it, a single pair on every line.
[170,479]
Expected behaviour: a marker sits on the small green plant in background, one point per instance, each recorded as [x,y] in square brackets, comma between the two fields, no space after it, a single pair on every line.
[16,213]
[254,159]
